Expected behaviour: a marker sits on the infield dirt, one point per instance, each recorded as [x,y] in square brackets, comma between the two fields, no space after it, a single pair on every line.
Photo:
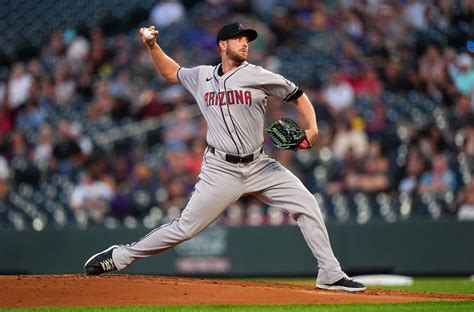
[121,290]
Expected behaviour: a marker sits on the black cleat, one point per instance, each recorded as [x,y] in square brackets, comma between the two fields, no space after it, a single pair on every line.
[345,284]
[101,262]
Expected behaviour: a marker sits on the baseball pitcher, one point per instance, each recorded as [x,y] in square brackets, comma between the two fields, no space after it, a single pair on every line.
[232,97]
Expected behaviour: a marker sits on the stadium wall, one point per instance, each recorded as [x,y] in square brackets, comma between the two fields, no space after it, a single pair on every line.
[427,248]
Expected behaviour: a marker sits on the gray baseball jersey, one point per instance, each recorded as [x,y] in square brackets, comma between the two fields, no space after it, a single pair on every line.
[234,105]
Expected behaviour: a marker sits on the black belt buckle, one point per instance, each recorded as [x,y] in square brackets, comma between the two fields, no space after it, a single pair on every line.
[232,158]
[239,159]
[246,159]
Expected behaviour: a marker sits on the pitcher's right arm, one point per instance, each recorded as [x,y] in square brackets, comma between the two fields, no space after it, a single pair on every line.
[166,66]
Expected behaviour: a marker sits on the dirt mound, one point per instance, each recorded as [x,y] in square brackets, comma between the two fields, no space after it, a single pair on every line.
[118,290]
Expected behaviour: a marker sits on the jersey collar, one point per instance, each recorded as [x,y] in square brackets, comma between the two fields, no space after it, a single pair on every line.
[219,73]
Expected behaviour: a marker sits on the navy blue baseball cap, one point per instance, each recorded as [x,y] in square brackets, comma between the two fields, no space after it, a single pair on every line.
[234,29]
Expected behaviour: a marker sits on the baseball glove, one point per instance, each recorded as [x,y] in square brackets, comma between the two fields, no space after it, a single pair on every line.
[286,134]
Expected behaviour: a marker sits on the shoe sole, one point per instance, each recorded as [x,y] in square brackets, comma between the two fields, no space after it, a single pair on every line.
[93,256]
[336,287]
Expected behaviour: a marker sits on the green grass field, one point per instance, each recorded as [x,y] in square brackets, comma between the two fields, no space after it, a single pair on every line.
[448,285]
[425,306]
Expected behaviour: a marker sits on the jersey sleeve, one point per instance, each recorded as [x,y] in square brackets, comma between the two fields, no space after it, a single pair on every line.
[277,85]
[189,78]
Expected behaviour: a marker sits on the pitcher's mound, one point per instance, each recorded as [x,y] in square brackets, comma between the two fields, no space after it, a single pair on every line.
[118,290]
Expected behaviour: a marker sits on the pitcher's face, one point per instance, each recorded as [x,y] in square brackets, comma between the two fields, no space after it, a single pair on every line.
[237,48]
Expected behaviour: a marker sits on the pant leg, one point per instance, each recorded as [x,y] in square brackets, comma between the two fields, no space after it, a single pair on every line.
[217,188]
[277,186]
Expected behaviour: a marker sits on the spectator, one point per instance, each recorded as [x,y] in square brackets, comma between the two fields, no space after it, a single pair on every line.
[375,174]
[32,116]
[467,147]
[122,171]
[201,36]
[350,64]
[3,87]
[78,49]
[142,189]
[353,25]
[47,97]
[178,134]
[436,140]
[468,138]
[102,103]
[464,80]
[172,166]
[84,142]
[440,179]
[466,202]
[377,124]
[18,146]
[54,49]
[84,87]
[431,69]
[24,171]
[177,195]
[193,159]
[98,51]
[449,55]
[414,14]
[6,123]
[338,93]
[149,105]
[365,82]
[35,69]
[167,12]
[65,86]
[349,138]
[4,175]
[66,152]
[43,151]
[92,195]
[414,168]
[463,114]
[394,80]
[283,26]
[120,86]
[19,86]
[4,186]
[337,177]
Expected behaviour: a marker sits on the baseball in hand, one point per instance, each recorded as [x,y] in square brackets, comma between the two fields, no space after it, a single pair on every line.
[147,34]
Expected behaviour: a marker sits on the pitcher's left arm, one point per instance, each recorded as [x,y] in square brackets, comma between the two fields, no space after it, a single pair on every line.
[308,116]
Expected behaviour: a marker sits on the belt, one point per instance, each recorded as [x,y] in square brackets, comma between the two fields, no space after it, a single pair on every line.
[235,159]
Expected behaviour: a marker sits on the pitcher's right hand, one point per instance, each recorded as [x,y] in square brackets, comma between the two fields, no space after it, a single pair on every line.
[149,35]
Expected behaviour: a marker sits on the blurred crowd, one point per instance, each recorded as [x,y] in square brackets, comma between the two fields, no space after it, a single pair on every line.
[392,83]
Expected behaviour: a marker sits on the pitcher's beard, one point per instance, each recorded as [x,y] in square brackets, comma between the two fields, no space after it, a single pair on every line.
[236,57]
